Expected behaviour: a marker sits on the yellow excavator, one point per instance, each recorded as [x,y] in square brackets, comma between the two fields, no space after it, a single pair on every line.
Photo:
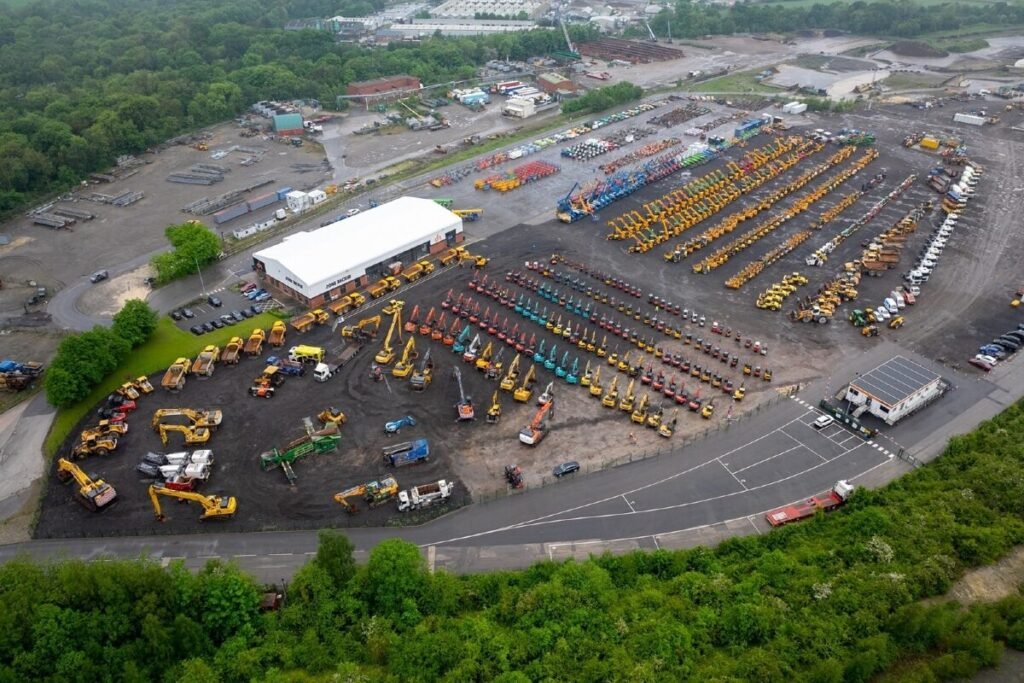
[639,415]
[94,494]
[588,376]
[403,368]
[102,429]
[423,374]
[483,360]
[193,435]
[331,416]
[210,419]
[386,355]
[213,506]
[667,429]
[508,382]
[524,391]
[373,492]
[595,384]
[612,397]
[626,403]
[360,328]
[494,411]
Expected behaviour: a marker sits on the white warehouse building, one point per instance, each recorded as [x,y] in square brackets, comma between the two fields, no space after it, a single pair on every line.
[895,389]
[321,265]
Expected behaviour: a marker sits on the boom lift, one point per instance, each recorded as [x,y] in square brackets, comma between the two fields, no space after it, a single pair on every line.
[373,492]
[533,433]
[464,407]
[213,506]
[494,412]
[403,368]
[387,354]
[508,382]
[94,494]
[524,391]
[422,375]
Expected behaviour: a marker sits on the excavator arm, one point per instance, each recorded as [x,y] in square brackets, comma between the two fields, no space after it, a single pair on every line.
[342,498]
[213,506]
[387,353]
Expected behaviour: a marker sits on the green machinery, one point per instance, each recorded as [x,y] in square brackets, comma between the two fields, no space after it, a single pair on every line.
[315,441]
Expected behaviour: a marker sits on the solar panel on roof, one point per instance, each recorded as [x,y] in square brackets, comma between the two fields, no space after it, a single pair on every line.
[894,380]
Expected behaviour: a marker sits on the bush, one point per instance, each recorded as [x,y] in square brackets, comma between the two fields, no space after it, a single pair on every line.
[194,247]
[603,98]
[135,322]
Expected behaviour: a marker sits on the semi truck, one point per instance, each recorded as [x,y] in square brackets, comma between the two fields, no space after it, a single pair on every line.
[826,502]
[306,354]
[407,453]
[424,495]
[324,371]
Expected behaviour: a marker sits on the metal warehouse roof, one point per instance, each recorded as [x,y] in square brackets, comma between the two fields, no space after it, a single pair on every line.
[894,380]
[362,240]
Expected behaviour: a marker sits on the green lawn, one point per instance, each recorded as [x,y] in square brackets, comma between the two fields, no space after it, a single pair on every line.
[739,82]
[167,344]
[808,3]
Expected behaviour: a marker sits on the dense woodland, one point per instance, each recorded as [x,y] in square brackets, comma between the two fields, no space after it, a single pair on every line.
[84,82]
[833,600]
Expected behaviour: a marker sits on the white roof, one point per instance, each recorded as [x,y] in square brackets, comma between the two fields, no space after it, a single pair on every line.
[314,261]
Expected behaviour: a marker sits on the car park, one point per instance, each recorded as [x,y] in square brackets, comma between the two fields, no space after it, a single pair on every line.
[566,468]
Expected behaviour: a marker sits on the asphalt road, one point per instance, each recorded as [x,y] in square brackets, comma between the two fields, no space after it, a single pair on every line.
[727,480]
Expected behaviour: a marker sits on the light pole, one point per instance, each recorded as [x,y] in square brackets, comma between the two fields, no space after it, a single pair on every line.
[198,270]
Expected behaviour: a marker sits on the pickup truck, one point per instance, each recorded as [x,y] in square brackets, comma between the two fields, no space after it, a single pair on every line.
[288,367]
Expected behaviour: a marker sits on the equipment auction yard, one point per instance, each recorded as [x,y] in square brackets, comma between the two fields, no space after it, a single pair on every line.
[669,275]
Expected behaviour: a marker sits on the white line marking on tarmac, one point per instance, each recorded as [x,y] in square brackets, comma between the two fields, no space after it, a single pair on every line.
[750,519]
[823,458]
[631,508]
[738,480]
[280,554]
[248,555]
[764,460]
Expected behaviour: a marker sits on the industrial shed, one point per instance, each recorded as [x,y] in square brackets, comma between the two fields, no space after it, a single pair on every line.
[288,124]
[895,389]
[322,265]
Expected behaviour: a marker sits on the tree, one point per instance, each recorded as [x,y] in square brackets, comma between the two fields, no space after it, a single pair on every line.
[334,556]
[195,246]
[83,361]
[64,387]
[395,580]
[135,322]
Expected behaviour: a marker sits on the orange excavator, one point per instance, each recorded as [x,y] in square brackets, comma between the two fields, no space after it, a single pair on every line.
[533,433]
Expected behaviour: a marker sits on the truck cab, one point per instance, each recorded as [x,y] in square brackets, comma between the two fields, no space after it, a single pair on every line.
[322,372]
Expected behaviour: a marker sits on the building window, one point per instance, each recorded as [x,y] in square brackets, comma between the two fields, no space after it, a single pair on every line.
[884,409]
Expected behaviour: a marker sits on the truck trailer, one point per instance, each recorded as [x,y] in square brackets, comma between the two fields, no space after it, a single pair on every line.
[826,502]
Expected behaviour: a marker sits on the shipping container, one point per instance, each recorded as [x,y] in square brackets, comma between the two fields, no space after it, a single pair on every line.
[929,143]
[317,196]
[283,192]
[263,200]
[970,119]
[796,108]
[230,213]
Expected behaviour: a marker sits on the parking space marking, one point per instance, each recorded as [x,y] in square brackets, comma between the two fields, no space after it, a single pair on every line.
[731,474]
[631,508]
[759,462]
[823,458]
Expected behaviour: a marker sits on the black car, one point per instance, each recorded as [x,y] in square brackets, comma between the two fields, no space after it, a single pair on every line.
[566,468]
[237,315]
[214,301]
[216,322]
[176,315]
[196,330]
[254,309]
[208,327]
[187,312]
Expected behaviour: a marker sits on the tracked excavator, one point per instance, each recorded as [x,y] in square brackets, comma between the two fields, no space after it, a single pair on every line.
[508,382]
[639,415]
[464,408]
[359,330]
[494,411]
[483,360]
[373,492]
[524,391]
[533,433]
[667,429]
[403,368]
[610,399]
[93,494]
[213,506]
[423,374]
[193,435]
[595,387]
[210,419]
[628,399]
[548,395]
[386,355]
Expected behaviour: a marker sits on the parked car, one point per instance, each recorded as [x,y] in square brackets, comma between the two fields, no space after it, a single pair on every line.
[214,301]
[227,319]
[196,329]
[217,323]
[176,314]
[187,312]
[208,327]
[237,315]
[246,313]
[823,421]
[99,276]
[263,297]
[566,468]
[248,287]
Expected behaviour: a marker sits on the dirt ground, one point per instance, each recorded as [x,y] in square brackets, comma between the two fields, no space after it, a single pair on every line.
[109,296]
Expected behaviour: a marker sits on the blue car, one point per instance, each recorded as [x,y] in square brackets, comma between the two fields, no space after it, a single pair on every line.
[262,297]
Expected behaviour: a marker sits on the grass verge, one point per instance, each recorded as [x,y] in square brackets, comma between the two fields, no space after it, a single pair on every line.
[739,82]
[167,344]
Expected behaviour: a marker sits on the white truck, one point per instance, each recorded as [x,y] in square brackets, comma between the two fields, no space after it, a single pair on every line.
[424,495]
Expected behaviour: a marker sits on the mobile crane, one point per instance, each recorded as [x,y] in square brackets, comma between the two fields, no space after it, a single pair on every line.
[533,433]
[387,354]
[464,408]
[508,382]
[403,368]
[213,506]
[94,494]
[612,397]
[524,391]
[494,412]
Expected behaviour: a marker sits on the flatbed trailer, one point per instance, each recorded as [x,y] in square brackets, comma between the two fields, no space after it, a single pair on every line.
[826,502]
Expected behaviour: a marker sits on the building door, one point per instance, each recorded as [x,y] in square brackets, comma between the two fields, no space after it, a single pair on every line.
[449,238]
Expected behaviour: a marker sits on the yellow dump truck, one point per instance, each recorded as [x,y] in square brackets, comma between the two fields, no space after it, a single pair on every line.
[232,351]
[206,361]
[254,346]
[277,333]
[174,378]
[417,270]
[382,287]
[302,323]
[347,303]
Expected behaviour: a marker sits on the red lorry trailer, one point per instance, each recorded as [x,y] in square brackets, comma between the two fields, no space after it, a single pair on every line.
[826,502]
